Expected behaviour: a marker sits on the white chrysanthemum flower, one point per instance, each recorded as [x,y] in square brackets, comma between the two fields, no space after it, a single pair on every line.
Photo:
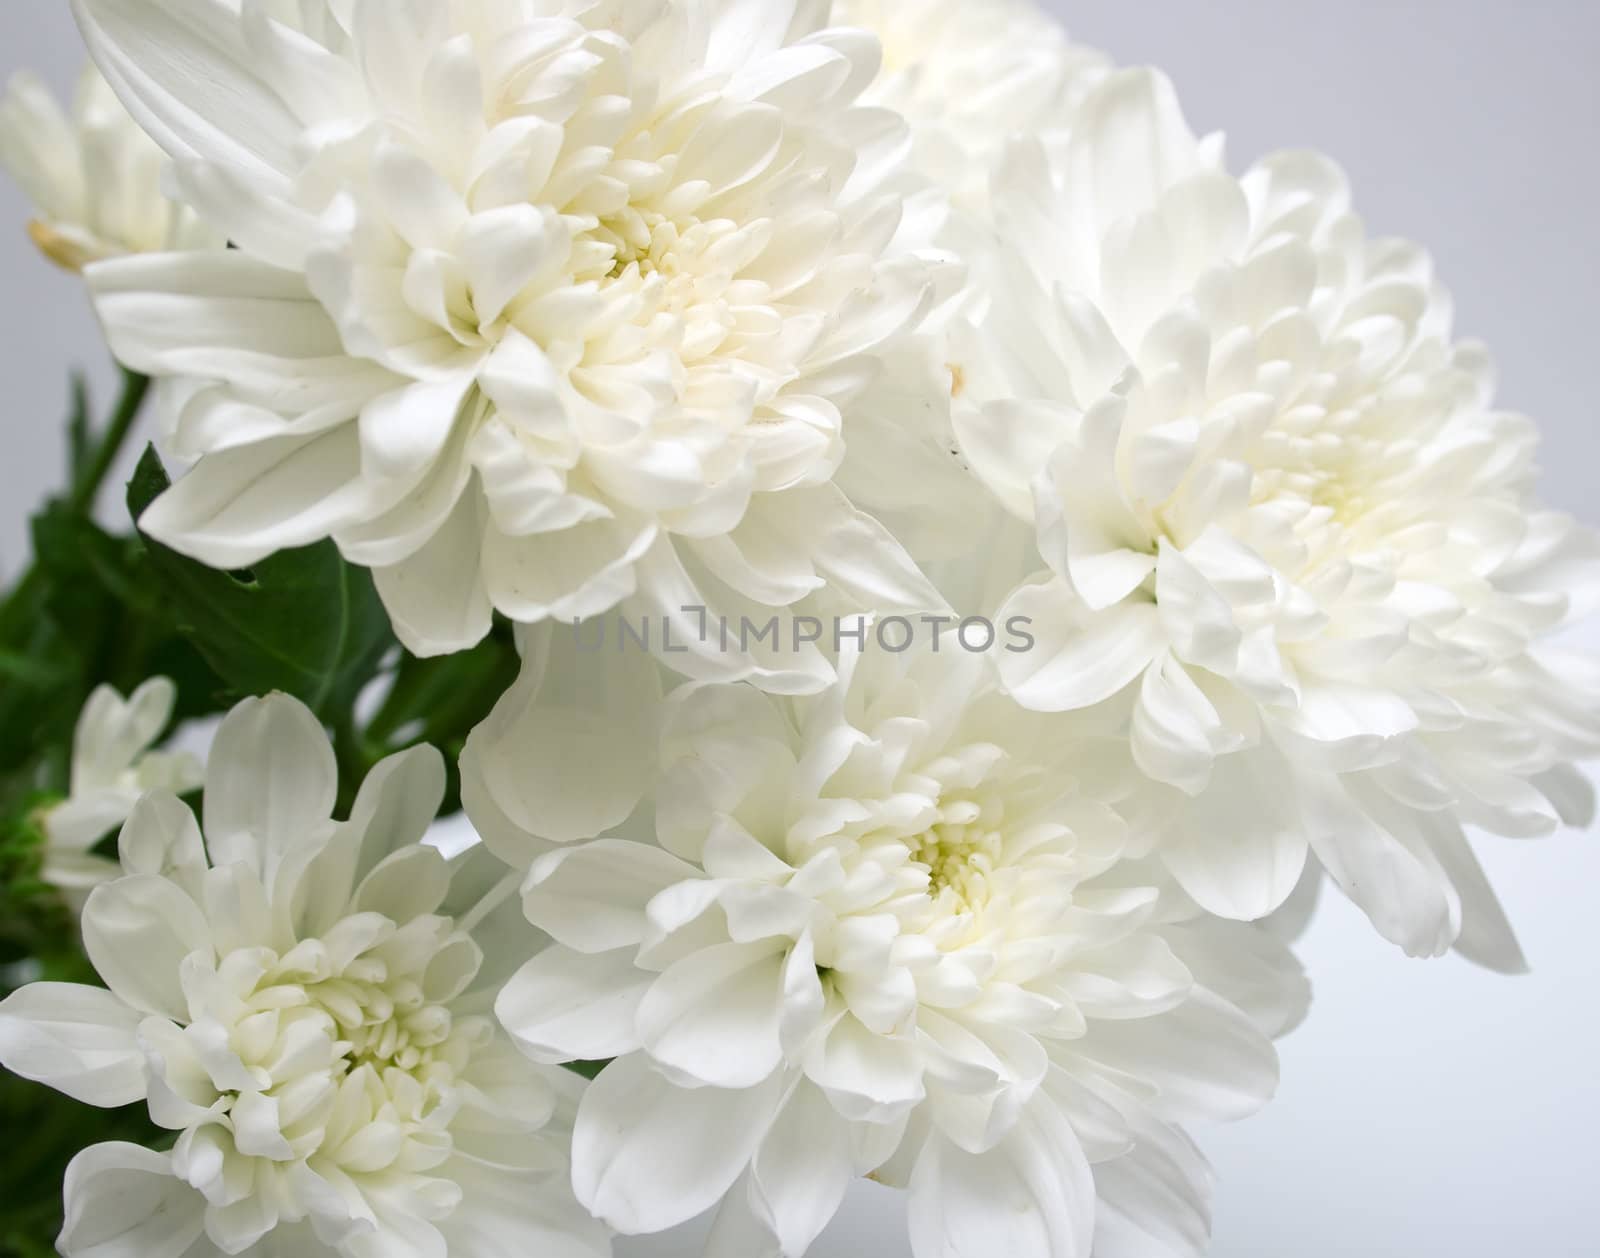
[1280,514]
[94,177]
[536,306]
[970,76]
[885,930]
[113,764]
[305,1003]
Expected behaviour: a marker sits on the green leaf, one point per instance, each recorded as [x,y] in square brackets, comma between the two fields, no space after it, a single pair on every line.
[96,615]
[41,675]
[86,567]
[304,621]
[34,673]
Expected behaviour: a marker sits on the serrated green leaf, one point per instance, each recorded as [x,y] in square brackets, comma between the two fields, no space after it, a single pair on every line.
[304,621]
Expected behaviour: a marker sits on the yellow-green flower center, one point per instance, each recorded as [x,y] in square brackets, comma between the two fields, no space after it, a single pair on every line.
[961,853]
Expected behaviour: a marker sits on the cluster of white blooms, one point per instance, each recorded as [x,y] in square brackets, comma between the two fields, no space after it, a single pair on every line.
[803,317]
[305,1004]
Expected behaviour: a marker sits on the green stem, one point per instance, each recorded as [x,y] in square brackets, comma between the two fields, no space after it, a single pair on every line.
[134,389]
[16,611]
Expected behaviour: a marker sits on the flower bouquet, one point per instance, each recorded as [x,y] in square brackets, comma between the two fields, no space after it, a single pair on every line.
[723,597]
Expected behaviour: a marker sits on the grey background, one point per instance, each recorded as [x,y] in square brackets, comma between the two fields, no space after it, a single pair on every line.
[1428,1108]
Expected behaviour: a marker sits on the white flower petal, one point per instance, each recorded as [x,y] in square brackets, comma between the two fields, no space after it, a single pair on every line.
[503,250]
[566,752]
[392,813]
[397,804]
[713,1017]
[406,885]
[867,1077]
[593,898]
[1155,1201]
[1079,658]
[404,431]
[647,1156]
[1176,728]
[738,1230]
[1135,978]
[271,782]
[187,73]
[162,837]
[1008,441]
[1198,620]
[1486,937]
[1405,893]
[579,572]
[210,314]
[1238,848]
[123,1201]
[77,1040]
[856,554]
[275,495]
[1249,967]
[1133,145]
[1032,1196]
[500,1219]
[111,734]
[1208,1060]
[796,1183]
[137,932]
[568,1006]
[437,602]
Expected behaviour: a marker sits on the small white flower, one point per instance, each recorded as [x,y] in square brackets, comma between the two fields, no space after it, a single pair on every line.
[1279,523]
[889,930]
[304,1003]
[112,766]
[94,177]
[534,307]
